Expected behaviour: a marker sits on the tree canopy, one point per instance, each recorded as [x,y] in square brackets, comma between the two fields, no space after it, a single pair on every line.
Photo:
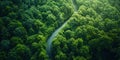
[91,33]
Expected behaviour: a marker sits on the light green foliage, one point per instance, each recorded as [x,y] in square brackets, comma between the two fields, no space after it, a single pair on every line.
[38,25]
[93,24]
[42,55]
[69,34]
[91,33]
[60,56]
[79,58]
[51,19]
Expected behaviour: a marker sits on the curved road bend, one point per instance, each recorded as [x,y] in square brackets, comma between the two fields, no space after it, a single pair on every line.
[55,33]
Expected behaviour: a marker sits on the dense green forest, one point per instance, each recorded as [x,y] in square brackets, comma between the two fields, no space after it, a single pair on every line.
[91,29]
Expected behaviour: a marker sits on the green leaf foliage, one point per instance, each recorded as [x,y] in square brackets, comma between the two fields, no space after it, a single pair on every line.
[80,29]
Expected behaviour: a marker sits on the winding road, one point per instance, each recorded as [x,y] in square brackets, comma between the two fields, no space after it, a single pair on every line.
[55,33]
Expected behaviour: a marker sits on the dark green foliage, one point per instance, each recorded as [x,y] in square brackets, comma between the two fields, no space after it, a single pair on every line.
[20,52]
[5,44]
[92,32]
[93,26]
[15,40]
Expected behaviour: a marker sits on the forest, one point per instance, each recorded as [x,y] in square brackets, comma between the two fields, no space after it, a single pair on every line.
[59,29]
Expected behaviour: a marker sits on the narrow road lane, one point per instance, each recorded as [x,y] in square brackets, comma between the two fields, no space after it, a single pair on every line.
[55,33]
